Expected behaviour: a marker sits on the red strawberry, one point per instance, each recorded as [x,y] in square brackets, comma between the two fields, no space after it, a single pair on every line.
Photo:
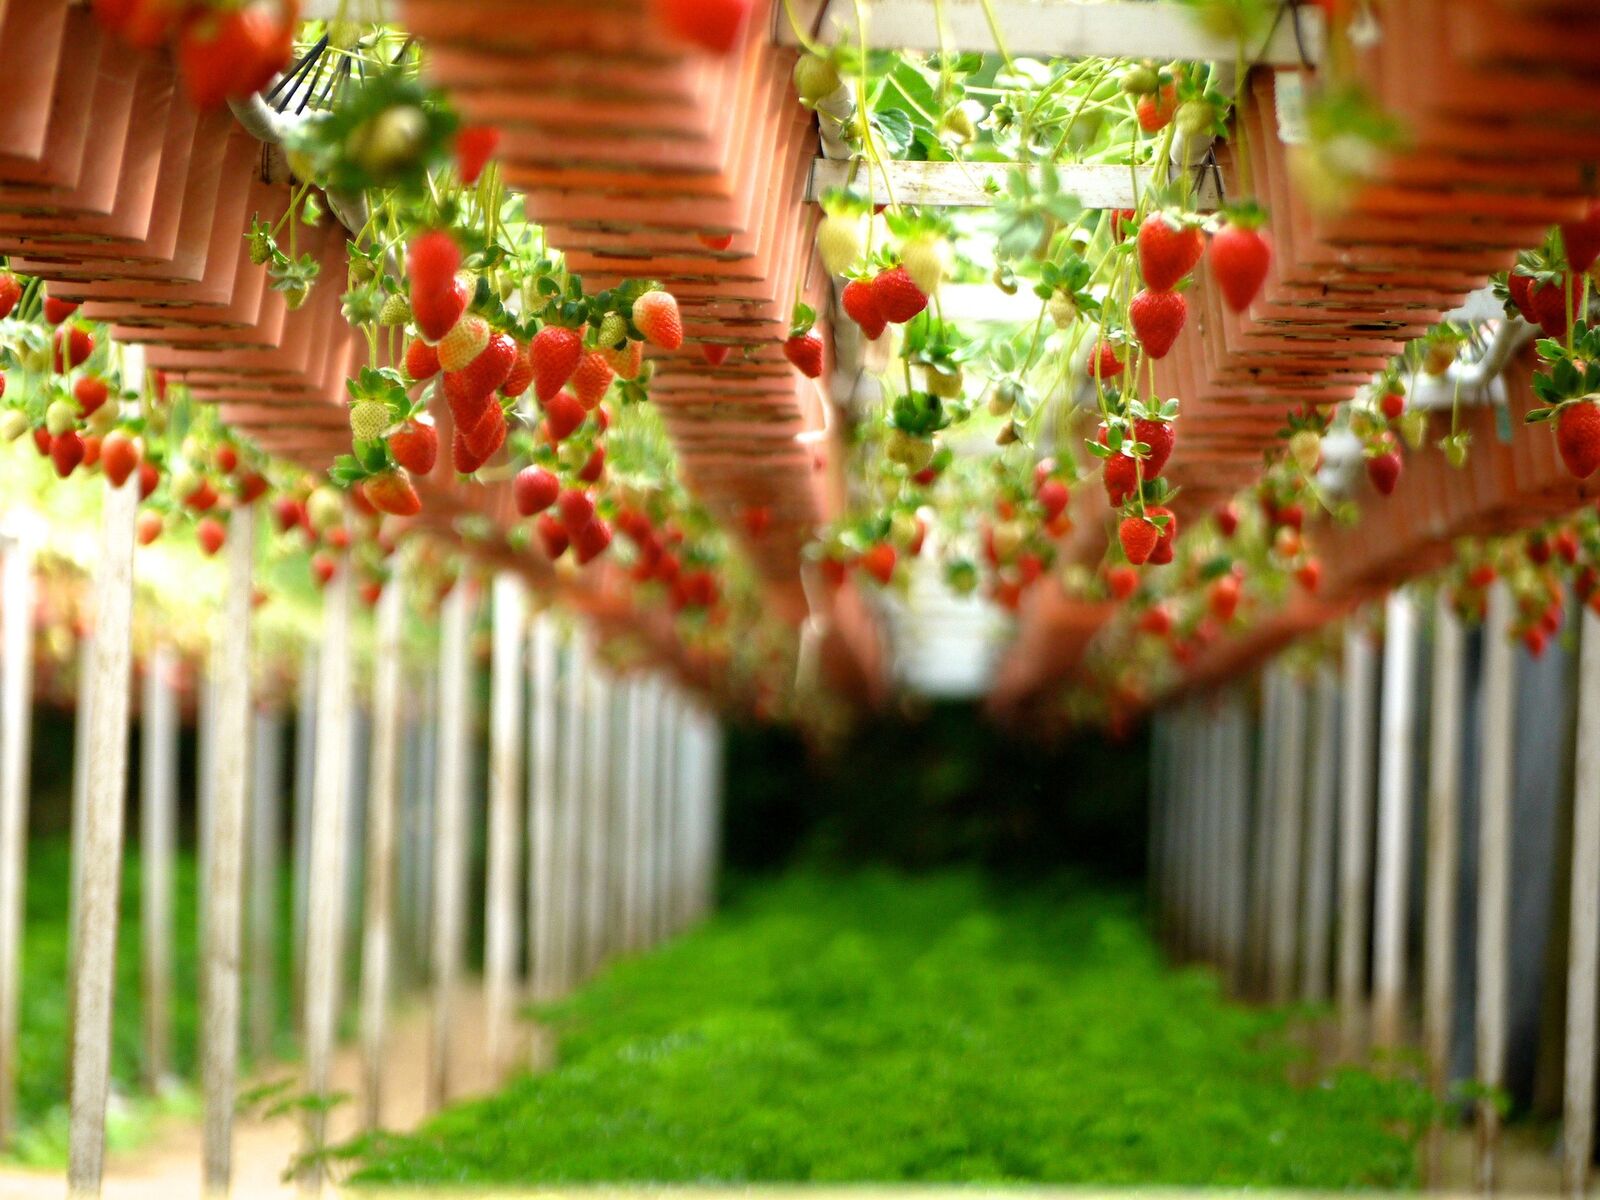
[1138,537]
[475,145]
[591,541]
[1169,531]
[148,526]
[432,260]
[1392,404]
[1518,287]
[878,561]
[41,440]
[10,293]
[1582,238]
[462,456]
[715,241]
[806,353]
[1168,250]
[555,353]
[521,377]
[467,406]
[1227,519]
[577,508]
[233,53]
[1157,319]
[1384,471]
[288,513]
[1121,477]
[591,380]
[91,449]
[1159,436]
[487,371]
[415,447]
[57,311]
[486,437]
[119,457]
[655,314]
[210,533]
[149,479]
[1156,108]
[73,346]
[562,416]
[1578,437]
[899,298]
[1223,597]
[202,497]
[534,490]
[594,466]
[66,451]
[860,302]
[91,393]
[1157,620]
[1053,496]
[323,568]
[392,493]
[227,459]
[713,25]
[422,360]
[252,486]
[553,535]
[1239,261]
[1548,302]
[1309,575]
[436,311]
[1104,363]
[715,353]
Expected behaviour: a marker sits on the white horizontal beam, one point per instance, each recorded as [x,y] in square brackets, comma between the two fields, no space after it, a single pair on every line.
[977,184]
[1162,30]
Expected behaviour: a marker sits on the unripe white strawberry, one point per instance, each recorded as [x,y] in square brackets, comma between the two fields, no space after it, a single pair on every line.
[60,417]
[463,343]
[1063,310]
[1305,447]
[13,424]
[324,509]
[840,242]
[368,420]
[926,259]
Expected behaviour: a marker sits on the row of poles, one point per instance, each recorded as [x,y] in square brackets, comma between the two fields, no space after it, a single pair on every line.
[597,824]
[1282,850]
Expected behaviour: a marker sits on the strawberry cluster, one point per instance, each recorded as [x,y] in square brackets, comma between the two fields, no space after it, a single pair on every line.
[225,51]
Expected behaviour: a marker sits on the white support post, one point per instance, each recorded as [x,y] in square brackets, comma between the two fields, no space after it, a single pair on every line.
[688,770]
[266,826]
[377,933]
[632,802]
[325,863]
[94,949]
[158,835]
[1236,841]
[597,785]
[1217,767]
[1583,953]
[666,872]
[1392,888]
[1497,737]
[1260,847]
[82,725]
[305,773]
[224,879]
[569,824]
[16,699]
[1314,962]
[1443,859]
[649,808]
[450,845]
[1355,833]
[1289,792]
[502,934]
[543,721]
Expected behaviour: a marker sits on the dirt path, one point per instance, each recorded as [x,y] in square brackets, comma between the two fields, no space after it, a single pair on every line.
[168,1166]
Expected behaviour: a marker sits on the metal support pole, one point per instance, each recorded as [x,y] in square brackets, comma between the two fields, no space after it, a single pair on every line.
[1355,834]
[502,936]
[1394,821]
[266,827]
[1314,962]
[158,837]
[1290,790]
[597,785]
[543,721]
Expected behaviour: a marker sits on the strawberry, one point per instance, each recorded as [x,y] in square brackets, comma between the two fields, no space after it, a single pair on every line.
[1582,238]
[757,519]
[1239,258]
[210,533]
[233,53]
[491,368]
[1309,575]
[66,451]
[591,380]
[475,145]
[806,353]
[91,449]
[202,497]
[655,314]
[594,466]
[1578,437]
[252,486]
[119,456]
[432,260]
[464,341]
[899,298]
[1227,519]
[462,457]
[1104,363]
[288,513]
[1121,477]
[1156,620]
[10,293]
[415,447]
[624,358]
[91,393]
[878,561]
[57,311]
[41,440]
[149,479]
[437,312]
[486,437]
[1138,537]
[1122,581]
[712,25]
[468,407]
[1157,319]
[715,241]
[1223,598]
[323,568]
[1548,302]
[73,346]
[1169,532]
[1159,436]
[521,377]
[1384,471]
[392,493]
[1566,545]
[534,490]
[860,302]
[555,353]
[591,541]
[1519,287]
[1168,250]
[552,535]
[147,526]
[422,360]
[1156,108]
[1392,404]
[577,508]
[1053,496]
[227,459]
[715,353]
[562,416]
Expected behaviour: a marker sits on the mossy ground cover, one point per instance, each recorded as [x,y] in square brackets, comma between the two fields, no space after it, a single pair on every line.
[874,1027]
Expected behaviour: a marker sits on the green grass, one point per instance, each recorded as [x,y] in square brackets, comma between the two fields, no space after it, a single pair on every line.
[875,1028]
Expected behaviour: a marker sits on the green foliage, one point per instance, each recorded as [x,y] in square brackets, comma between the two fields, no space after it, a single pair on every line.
[873,1027]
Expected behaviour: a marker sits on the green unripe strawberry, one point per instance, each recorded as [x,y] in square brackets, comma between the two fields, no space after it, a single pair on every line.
[613,329]
[368,420]
[1140,80]
[1063,310]
[926,259]
[909,450]
[324,509]
[61,416]
[815,79]
[1305,447]
[946,386]
[839,242]
[957,124]
[13,424]
[396,310]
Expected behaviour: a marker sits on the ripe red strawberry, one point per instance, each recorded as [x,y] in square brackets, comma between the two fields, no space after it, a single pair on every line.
[1518,287]
[1309,575]
[1157,319]
[806,353]
[1566,545]
[392,493]
[432,260]
[288,512]
[1392,404]
[415,447]
[1239,258]
[1156,620]
[147,526]
[534,490]
[878,561]
[555,353]
[436,311]
[1169,531]
[1582,238]
[1155,109]
[227,459]
[462,456]
[119,457]
[149,479]
[475,145]
[1159,436]
[715,353]
[210,533]
[1578,437]
[468,407]
[591,541]
[860,302]
[577,508]
[1053,496]
[562,416]
[713,25]
[91,393]
[73,346]
[202,497]
[10,293]
[715,241]
[1223,597]
[486,437]
[1104,363]
[233,53]
[1227,519]
[1121,478]
[521,377]
[591,380]
[1168,250]
[1138,537]
[252,485]
[422,360]
[594,466]
[41,440]
[91,449]
[899,298]
[1548,305]
[1384,471]
[57,311]
[486,372]
[553,535]
[323,568]
[655,314]
[757,519]
[66,451]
